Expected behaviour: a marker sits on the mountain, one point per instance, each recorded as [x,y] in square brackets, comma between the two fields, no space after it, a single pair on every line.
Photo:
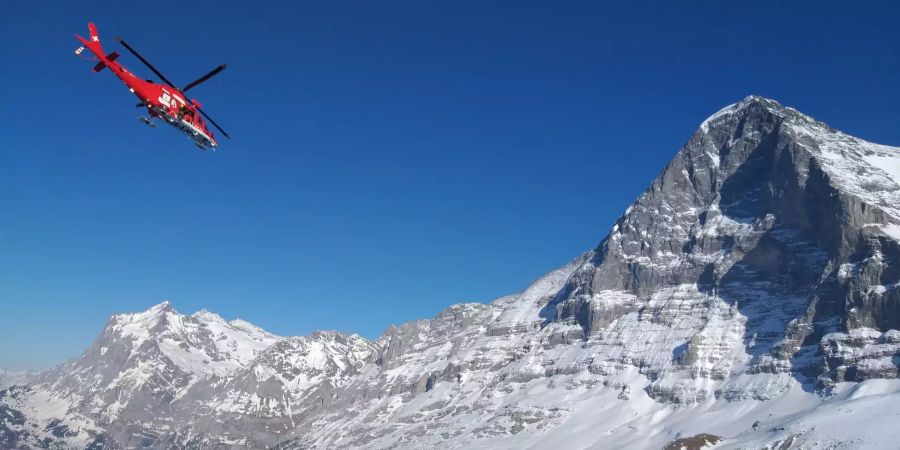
[129,378]
[747,299]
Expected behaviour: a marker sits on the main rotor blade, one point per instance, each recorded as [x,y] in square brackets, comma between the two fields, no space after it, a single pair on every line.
[210,119]
[211,74]
[146,63]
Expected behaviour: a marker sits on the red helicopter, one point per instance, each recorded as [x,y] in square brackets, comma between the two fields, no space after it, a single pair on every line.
[163,101]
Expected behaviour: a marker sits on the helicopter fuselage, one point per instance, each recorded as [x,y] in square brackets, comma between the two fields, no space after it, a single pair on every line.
[162,101]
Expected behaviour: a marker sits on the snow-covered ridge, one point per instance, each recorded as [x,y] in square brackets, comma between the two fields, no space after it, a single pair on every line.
[202,343]
[13,377]
[737,107]
[867,170]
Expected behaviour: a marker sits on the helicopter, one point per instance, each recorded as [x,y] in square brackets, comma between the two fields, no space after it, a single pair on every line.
[165,102]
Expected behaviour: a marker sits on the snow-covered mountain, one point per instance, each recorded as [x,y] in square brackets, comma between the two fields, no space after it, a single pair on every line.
[748,299]
[130,377]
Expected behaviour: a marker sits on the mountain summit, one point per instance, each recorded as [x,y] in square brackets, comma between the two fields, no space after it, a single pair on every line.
[748,298]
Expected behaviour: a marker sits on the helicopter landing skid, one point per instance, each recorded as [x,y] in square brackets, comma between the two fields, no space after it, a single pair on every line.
[147,121]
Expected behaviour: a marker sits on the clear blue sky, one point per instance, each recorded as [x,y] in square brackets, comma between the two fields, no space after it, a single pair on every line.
[389,158]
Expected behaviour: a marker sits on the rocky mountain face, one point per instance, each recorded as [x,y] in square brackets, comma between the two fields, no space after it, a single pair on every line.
[773,231]
[746,299]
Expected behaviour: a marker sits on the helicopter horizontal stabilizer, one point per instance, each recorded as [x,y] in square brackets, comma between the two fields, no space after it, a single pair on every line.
[109,58]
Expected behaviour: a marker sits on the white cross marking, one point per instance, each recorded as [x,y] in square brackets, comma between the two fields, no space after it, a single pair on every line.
[95,38]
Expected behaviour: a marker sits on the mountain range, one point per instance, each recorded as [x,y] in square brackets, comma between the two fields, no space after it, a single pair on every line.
[747,299]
